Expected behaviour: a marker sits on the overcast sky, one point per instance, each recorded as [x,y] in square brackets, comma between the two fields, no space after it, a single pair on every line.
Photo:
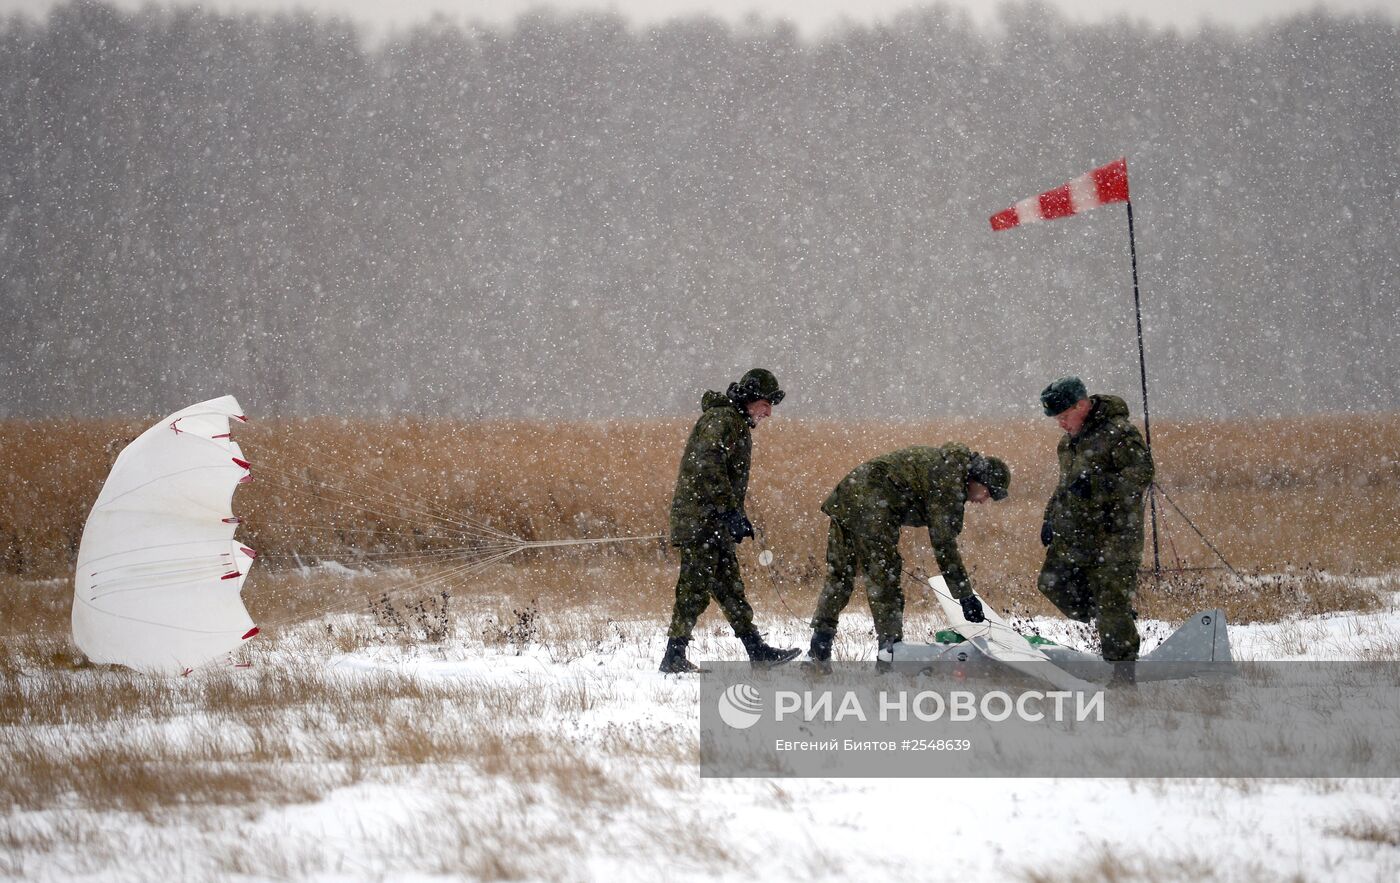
[813,16]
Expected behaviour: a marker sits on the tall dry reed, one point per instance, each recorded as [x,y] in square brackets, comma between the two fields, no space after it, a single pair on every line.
[1319,491]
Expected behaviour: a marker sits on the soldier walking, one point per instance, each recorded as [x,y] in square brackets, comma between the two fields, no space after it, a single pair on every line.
[708,520]
[1093,532]
[912,487]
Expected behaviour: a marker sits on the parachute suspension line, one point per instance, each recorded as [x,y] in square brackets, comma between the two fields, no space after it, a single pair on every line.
[294,487]
[480,545]
[405,557]
[548,544]
[442,511]
[324,527]
[489,542]
[419,501]
[292,482]
[390,490]
[394,558]
[359,553]
[503,550]
[457,572]
[411,503]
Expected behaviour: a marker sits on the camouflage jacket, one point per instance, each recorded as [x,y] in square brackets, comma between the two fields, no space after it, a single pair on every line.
[912,487]
[1095,514]
[714,473]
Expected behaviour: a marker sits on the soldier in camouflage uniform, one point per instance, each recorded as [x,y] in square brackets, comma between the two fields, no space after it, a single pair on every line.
[1093,523]
[708,520]
[911,487]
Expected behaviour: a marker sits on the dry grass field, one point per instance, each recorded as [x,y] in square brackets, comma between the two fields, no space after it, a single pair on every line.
[1283,500]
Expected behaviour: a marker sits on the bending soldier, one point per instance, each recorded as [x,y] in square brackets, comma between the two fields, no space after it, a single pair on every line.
[708,520]
[1093,523]
[911,487]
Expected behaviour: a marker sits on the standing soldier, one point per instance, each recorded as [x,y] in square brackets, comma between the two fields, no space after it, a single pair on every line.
[911,487]
[708,520]
[1093,523]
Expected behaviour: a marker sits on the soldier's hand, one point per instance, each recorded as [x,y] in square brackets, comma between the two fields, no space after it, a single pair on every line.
[738,525]
[1047,533]
[746,530]
[972,609]
[1081,487]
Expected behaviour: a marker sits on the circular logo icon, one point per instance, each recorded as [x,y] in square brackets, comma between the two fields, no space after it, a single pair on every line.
[740,706]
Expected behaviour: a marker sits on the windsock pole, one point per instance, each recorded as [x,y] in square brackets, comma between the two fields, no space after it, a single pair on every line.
[1146,416]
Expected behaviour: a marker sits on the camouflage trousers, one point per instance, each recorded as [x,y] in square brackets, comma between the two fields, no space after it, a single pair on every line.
[874,553]
[710,570]
[1103,593]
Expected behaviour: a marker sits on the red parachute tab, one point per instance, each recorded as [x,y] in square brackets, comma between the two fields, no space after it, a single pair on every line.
[249,552]
[232,520]
[235,575]
[252,631]
[244,463]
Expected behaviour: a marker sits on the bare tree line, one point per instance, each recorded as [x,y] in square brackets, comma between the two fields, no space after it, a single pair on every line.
[572,217]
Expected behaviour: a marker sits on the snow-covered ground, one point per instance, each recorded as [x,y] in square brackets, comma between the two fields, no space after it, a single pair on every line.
[558,752]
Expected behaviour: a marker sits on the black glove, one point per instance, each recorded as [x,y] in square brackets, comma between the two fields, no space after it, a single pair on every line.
[737,523]
[972,609]
[1082,487]
[1047,534]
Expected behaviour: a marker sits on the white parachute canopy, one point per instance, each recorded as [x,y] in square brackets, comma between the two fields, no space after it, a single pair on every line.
[159,573]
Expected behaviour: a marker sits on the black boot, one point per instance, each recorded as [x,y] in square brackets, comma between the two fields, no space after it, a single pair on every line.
[1124,675]
[675,663]
[818,659]
[763,656]
[884,657]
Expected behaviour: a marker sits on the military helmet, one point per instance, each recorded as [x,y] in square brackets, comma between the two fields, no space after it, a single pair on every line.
[993,473]
[758,383]
[1062,395]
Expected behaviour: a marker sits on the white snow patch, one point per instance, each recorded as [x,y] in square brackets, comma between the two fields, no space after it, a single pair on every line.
[633,813]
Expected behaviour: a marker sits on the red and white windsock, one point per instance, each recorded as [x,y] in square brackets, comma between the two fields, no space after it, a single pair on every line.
[1103,185]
